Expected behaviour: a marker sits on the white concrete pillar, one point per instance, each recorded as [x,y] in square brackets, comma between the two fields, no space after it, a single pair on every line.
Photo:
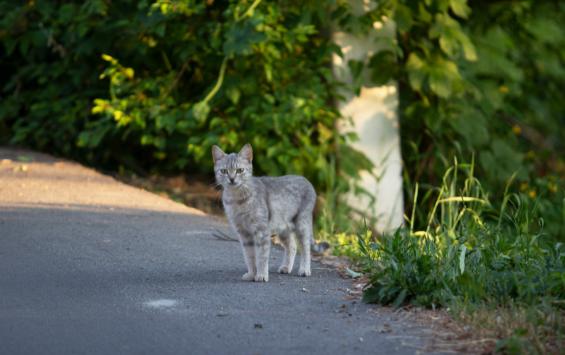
[374,118]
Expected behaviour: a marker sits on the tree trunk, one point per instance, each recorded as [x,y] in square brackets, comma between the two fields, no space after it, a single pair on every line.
[374,118]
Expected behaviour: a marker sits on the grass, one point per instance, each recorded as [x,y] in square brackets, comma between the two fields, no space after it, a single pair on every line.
[492,265]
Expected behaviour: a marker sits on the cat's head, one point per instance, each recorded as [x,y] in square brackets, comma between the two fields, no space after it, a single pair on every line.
[233,169]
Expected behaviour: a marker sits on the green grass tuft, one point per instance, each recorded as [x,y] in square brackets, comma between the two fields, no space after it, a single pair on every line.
[472,253]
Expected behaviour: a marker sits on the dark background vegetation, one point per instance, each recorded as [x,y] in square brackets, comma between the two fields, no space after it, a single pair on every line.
[150,86]
[124,85]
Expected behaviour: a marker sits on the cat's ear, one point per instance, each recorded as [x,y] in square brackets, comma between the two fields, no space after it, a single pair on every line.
[217,153]
[246,152]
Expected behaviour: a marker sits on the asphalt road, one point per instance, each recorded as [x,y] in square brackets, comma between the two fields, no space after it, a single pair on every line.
[91,266]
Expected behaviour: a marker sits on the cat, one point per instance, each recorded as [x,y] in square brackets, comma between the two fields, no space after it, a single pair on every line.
[260,207]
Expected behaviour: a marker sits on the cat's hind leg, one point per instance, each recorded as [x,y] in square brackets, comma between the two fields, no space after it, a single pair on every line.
[305,236]
[288,242]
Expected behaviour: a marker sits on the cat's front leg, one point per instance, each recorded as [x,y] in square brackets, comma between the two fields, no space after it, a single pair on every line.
[262,250]
[248,246]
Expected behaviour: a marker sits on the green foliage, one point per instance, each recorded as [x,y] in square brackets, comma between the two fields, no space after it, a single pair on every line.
[472,253]
[153,85]
[470,250]
[482,78]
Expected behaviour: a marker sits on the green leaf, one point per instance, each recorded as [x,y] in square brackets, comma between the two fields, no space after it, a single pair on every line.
[444,77]
[440,83]
[201,111]
[403,18]
[468,48]
[416,71]
[545,30]
[424,14]
[448,44]
[462,253]
[383,67]
[233,94]
[496,48]
[460,8]
[452,38]
[356,68]
[241,37]
[352,161]
[400,298]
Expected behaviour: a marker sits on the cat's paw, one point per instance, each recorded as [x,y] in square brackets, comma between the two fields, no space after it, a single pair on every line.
[262,278]
[284,270]
[248,277]
[304,272]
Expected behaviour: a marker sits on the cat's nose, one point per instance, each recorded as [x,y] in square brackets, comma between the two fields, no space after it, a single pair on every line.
[232,180]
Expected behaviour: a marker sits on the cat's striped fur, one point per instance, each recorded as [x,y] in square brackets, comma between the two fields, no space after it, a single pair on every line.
[259,207]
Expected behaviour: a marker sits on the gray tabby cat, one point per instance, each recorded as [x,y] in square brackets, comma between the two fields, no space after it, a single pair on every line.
[259,207]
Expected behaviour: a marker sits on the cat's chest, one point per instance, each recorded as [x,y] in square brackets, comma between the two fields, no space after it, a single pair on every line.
[245,214]
[239,210]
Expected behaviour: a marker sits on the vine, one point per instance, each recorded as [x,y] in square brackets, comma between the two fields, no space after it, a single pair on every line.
[202,108]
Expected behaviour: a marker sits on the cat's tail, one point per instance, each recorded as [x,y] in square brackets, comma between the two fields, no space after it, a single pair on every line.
[319,248]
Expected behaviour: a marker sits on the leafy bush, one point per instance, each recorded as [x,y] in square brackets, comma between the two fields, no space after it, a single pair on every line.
[152,85]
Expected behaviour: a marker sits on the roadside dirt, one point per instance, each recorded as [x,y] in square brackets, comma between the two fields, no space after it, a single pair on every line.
[194,191]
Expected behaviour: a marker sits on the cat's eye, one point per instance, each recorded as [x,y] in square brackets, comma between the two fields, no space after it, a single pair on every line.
[239,171]
[224,171]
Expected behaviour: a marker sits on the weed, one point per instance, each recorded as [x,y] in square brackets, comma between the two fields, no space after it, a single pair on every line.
[473,255]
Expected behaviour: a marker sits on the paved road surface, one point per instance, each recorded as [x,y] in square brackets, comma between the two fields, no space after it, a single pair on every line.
[91,266]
